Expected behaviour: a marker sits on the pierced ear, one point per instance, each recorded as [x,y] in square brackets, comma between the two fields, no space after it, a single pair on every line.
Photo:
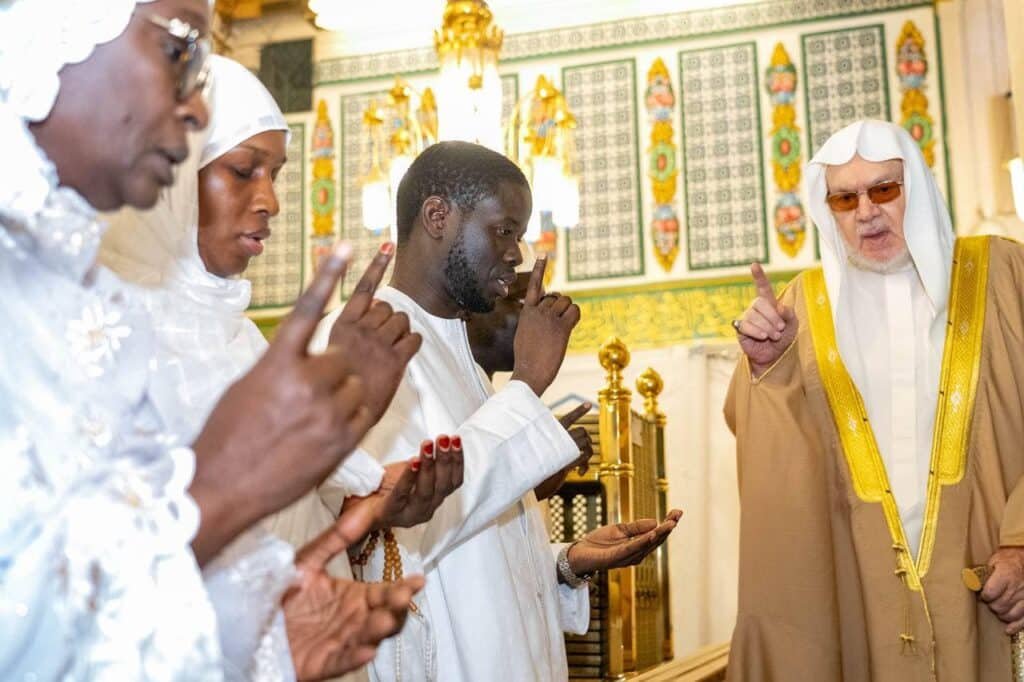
[434,213]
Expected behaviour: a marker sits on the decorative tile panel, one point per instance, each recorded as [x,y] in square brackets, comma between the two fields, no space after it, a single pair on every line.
[610,34]
[608,241]
[662,164]
[912,70]
[790,222]
[722,156]
[509,96]
[277,275]
[844,80]
[355,162]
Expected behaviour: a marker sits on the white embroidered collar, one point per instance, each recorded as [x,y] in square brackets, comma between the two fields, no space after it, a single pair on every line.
[39,218]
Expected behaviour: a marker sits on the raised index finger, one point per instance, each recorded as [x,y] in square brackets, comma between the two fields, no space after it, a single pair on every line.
[764,287]
[571,418]
[535,289]
[362,296]
[297,329]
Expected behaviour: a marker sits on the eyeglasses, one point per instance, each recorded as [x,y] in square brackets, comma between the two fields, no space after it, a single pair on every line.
[189,58]
[882,193]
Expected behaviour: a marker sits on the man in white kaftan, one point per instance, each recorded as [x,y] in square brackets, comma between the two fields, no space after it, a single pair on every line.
[493,607]
[491,580]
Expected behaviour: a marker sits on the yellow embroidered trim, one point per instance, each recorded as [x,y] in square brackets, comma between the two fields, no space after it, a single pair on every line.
[870,482]
[957,384]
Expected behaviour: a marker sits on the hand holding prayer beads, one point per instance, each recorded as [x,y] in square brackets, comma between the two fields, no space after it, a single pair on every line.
[334,625]
[411,491]
[281,428]
[767,328]
[375,340]
[619,545]
[545,324]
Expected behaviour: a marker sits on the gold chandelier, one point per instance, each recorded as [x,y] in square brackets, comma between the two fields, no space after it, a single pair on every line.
[469,87]
[538,136]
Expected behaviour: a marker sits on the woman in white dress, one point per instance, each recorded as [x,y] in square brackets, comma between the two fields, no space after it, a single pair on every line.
[186,255]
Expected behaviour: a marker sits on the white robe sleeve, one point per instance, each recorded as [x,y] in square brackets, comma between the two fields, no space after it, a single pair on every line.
[246,582]
[510,444]
[359,475]
[573,602]
[99,581]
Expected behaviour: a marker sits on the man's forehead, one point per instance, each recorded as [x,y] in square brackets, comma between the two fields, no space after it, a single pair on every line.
[859,170]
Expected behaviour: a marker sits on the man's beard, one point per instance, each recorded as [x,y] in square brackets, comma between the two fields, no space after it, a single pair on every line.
[883,267]
[461,282]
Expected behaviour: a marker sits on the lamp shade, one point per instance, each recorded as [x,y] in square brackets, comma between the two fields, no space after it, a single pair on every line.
[546,182]
[566,211]
[377,205]
[465,112]
[1017,183]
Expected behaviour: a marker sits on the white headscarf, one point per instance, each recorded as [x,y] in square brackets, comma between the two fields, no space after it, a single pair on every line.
[30,63]
[926,224]
[207,341]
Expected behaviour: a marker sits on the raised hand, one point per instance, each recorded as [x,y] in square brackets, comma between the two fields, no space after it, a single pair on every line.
[281,428]
[545,324]
[586,448]
[412,491]
[767,328]
[619,545]
[334,625]
[375,341]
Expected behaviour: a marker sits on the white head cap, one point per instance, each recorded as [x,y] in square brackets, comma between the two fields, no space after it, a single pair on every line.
[927,227]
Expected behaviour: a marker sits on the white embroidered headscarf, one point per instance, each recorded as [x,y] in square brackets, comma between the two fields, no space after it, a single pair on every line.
[926,223]
[97,578]
[39,37]
[207,341]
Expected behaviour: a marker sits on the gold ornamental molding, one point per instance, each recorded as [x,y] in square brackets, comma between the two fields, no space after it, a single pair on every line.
[645,315]
[657,315]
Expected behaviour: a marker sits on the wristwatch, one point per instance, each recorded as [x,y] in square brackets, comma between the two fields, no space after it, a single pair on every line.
[565,571]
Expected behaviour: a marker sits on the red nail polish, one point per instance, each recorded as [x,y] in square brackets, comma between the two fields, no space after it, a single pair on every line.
[415,464]
[444,442]
[456,443]
[387,248]
[427,448]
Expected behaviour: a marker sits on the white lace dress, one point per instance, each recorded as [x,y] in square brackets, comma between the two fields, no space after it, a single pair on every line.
[97,578]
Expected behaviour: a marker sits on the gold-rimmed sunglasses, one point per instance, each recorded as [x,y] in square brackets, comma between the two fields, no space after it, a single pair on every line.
[189,57]
[882,193]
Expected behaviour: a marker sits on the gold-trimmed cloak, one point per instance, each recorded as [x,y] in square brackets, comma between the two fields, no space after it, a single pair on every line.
[826,590]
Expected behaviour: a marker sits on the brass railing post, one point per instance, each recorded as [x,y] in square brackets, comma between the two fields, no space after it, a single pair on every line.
[616,476]
[650,385]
